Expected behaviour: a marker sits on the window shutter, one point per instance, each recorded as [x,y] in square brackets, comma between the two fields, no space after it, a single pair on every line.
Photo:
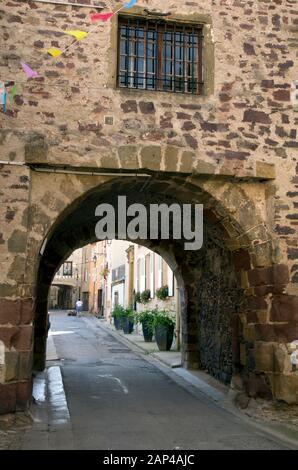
[170,282]
[152,264]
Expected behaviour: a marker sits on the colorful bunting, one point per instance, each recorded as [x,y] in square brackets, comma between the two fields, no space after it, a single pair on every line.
[130,4]
[12,94]
[28,71]
[76,34]
[53,51]
[101,16]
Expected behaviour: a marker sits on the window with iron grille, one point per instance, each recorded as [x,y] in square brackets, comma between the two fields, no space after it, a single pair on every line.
[159,55]
[67,268]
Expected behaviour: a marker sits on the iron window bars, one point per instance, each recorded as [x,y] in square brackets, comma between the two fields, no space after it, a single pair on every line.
[67,268]
[158,55]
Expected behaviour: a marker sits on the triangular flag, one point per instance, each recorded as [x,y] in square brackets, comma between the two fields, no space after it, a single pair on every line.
[3,96]
[101,16]
[12,94]
[53,51]
[29,72]
[130,4]
[76,34]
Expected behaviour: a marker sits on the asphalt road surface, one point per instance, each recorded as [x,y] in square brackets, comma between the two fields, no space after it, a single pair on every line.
[116,399]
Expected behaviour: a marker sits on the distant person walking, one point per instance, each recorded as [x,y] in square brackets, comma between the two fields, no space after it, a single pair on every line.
[79,306]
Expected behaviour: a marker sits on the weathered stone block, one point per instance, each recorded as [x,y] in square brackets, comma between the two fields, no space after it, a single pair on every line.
[17,242]
[249,333]
[10,312]
[151,157]
[243,354]
[256,303]
[280,333]
[8,334]
[147,107]
[188,162]
[277,274]
[129,106]
[25,364]
[23,340]
[282,95]
[109,161]
[23,395]
[282,361]
[265,170]
[264,356]
[251,115]
[204,168]
[36,148]
[257,385]
[285,387]
[284,308]
[128,155]
[262,316]
[251,317]
[11,365]
[241,260]
[26,311]
[8,393]
[171,158]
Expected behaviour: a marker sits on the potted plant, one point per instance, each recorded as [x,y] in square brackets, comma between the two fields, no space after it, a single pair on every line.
[164,324]
[138,297]
[118,314]
[146,318]
[145,296]
[162,293]
[128,320]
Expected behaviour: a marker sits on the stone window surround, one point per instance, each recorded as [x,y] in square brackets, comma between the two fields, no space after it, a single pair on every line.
[201,20]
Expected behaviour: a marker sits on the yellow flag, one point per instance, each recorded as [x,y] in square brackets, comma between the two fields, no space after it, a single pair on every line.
[76,34]
[54,52]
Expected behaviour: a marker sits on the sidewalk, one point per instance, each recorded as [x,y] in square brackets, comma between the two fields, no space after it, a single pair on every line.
[170,358]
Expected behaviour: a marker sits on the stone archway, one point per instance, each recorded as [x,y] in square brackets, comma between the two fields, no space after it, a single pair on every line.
[240,264]
[211,329]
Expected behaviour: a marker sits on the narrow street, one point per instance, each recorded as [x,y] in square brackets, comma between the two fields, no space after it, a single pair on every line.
[115,399]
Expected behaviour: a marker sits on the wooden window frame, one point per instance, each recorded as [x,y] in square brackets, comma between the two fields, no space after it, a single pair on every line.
[161,30]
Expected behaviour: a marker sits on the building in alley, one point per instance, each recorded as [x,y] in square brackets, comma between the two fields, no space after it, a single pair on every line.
[66,286]
[93,275]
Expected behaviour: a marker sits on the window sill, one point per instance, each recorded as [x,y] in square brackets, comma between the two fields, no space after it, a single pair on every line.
[183,98]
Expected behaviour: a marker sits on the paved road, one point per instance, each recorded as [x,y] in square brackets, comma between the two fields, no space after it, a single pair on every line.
[118,400]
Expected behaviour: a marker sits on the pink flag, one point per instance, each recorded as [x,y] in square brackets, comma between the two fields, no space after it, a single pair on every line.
[29,72]
[101,16]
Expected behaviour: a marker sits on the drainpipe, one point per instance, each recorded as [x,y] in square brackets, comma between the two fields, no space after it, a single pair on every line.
[178,318]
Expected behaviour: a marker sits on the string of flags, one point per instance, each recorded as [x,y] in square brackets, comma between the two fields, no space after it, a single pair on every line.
[55,52]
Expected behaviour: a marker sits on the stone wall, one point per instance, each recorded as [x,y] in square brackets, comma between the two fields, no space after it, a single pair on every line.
[240,126]
[233,148]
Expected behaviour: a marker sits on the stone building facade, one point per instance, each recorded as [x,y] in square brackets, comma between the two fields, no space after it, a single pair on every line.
[72,138]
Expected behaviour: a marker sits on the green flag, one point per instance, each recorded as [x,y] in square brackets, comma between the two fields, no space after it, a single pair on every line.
[13,92]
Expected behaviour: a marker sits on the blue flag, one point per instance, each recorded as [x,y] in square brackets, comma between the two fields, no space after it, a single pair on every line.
[3,96]
[130,4]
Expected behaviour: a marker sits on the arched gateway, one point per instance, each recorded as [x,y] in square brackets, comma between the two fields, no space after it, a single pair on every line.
[95,125]
[229,290]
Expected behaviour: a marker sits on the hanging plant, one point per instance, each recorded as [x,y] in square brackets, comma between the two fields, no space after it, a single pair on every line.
[145,296]
[162,293]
